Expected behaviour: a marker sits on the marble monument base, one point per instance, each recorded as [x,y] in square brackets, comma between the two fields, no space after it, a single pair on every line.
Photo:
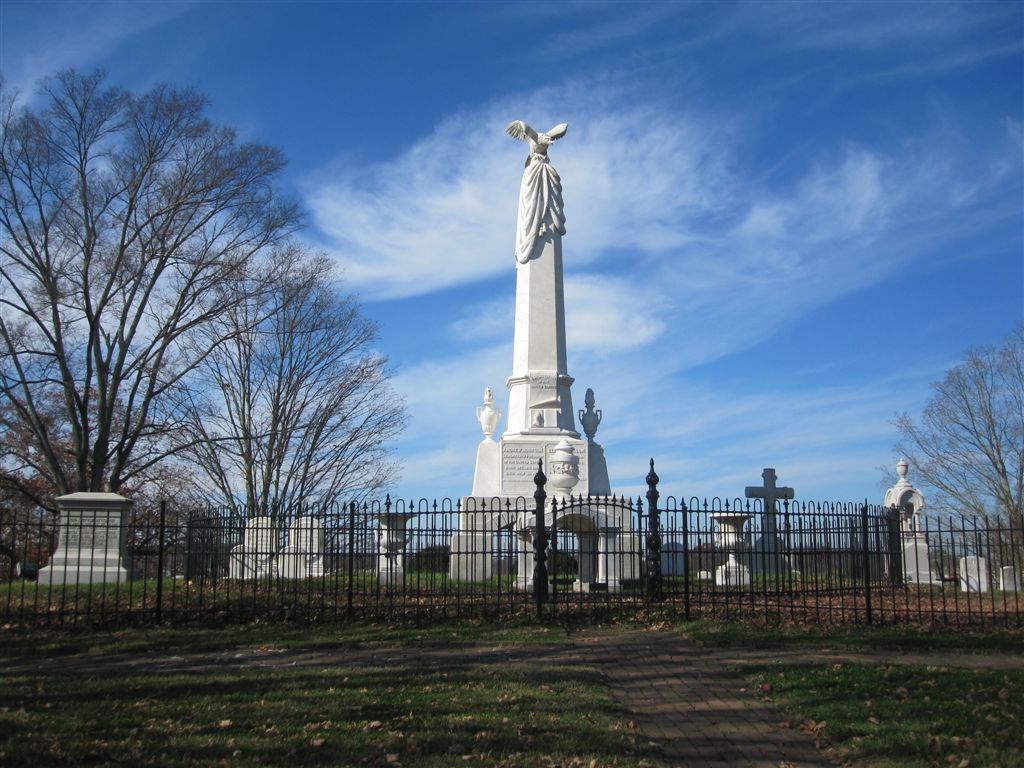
[91,541]
[732,574]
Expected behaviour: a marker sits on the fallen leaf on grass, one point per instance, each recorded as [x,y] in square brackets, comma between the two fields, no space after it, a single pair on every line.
[224,724]
[814,727]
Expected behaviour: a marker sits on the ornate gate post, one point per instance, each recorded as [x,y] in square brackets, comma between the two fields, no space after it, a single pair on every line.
[540,541]
[654,590]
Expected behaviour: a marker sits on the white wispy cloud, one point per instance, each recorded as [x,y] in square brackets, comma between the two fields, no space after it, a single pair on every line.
[674,257]
[441,213]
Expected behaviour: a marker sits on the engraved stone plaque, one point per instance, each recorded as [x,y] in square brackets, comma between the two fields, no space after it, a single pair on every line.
[519,465]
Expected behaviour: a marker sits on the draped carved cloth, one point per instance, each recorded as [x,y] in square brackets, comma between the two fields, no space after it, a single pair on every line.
[540,206]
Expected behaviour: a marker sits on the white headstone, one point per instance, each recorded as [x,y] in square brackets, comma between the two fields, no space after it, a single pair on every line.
[304,555]
[254,557]
[1008,581]
[973,574]
[916,567]
[673,559]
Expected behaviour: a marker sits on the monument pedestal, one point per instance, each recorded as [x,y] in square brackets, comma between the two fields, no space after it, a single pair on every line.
[91,540]
[732,574]
[472,548]
[768,555]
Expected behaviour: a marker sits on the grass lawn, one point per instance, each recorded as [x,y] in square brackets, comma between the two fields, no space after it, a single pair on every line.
[876,713]
[182,701]
[888,715]
[854,637]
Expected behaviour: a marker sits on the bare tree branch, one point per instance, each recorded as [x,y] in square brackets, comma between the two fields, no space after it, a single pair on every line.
[969,443]
[129,225]
[298,404]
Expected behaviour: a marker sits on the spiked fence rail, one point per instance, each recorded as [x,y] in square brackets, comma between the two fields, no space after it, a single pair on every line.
[829,563]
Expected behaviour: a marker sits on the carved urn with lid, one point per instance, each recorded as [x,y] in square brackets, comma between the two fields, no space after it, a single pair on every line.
[563,468]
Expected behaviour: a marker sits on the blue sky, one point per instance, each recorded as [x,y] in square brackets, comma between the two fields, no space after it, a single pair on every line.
[785,220]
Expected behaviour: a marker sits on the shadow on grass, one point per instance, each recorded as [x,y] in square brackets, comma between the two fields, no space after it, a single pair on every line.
[495,714]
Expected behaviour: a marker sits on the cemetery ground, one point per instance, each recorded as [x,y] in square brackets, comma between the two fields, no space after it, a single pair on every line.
[525,694]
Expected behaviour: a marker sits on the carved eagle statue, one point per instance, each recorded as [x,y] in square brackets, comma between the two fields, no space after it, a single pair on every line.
[539,142]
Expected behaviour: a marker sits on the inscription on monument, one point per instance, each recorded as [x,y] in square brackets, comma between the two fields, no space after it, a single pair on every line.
[89,533]
[519,460]
[519,464]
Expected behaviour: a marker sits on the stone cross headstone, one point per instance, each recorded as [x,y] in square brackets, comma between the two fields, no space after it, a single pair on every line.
[973,574]
[768,549]
[254,557]
[304,556]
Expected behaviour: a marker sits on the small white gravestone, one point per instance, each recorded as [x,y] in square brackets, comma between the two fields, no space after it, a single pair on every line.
[304,556]
[1008,581]
[673,559]
[254,557]
[973,574]
[91,540]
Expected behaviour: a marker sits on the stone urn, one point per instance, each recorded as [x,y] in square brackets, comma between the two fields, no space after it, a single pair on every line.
[487,415]
[563,469]
[391,545]
[590,417]
[730,537]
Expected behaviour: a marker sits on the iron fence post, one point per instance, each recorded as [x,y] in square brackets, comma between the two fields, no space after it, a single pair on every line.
[867,559]
[540,570]
[896,564]
[349,586]
[686,561]
[654,585]
[160,562]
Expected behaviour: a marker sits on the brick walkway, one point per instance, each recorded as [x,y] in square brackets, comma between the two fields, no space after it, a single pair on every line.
[692,707]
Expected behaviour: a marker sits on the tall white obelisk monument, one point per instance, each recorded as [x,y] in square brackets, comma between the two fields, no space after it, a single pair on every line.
[540,411]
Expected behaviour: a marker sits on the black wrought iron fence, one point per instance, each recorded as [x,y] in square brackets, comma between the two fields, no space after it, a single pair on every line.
[400,559]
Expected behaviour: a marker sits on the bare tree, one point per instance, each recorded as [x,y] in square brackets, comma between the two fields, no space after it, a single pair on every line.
[969,443]
[128,224]
[299,405]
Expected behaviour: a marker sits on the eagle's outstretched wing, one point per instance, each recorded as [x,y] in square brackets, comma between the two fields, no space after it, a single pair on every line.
[558,131]
[517,129]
